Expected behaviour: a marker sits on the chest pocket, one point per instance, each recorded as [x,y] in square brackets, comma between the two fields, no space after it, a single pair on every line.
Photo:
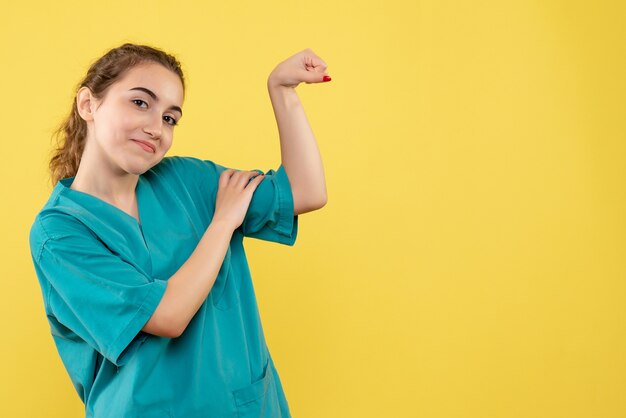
[225,291]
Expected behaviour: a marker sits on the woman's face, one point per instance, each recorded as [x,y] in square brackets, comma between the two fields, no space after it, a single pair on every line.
[133,125]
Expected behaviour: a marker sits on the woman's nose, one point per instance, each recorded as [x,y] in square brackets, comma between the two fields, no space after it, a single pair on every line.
[154,127]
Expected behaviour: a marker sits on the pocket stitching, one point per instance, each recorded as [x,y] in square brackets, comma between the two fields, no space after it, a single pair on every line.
[258,389]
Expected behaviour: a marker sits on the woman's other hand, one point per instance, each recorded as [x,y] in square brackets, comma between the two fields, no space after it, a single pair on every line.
[305,66]
[234,194]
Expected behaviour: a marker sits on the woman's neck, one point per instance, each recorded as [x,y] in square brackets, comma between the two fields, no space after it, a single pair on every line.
[99,180]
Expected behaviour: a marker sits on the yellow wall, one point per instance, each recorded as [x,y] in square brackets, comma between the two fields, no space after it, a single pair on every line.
[470,260]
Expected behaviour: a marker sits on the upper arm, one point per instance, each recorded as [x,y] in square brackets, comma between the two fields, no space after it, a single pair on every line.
[271,215]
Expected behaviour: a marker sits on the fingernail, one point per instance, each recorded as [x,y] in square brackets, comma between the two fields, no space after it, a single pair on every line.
[327,78]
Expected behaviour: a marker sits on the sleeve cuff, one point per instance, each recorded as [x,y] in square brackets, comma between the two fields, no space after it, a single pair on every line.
[125,345]
[287,225]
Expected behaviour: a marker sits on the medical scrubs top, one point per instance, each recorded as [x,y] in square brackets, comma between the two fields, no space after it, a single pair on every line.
[102,274]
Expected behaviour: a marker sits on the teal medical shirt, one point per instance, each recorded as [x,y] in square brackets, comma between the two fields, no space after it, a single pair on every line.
[102,275]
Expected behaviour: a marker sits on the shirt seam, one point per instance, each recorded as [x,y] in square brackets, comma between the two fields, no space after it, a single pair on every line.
[283,200]
[43,244]
[286,217]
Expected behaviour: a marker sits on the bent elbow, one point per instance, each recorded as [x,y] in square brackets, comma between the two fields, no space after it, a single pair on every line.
[319,203]
[323,201]
[309,206]
[175,332]
[162,326]
[176,329]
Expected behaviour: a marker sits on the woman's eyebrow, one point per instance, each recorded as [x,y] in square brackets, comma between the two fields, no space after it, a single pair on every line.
[154,96]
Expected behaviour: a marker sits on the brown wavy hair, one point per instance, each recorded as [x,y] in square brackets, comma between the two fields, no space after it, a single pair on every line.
[72,132]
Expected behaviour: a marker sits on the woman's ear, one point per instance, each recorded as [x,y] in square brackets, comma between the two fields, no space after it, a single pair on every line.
[85,103]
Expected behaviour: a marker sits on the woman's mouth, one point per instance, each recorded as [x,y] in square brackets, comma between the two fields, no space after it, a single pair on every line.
[148,147]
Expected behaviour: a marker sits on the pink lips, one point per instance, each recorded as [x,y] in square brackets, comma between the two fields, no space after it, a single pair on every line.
[145,145]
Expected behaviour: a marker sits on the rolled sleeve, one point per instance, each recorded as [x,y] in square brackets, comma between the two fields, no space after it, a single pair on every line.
[271,215]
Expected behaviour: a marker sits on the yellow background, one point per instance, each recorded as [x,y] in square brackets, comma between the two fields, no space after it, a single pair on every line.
[470,261]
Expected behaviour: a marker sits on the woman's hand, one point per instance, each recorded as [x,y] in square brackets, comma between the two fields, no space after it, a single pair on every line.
[304,66]
[234,194]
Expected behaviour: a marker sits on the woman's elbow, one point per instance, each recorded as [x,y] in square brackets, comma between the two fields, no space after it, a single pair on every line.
[163,322]
[322,201]
[309,205]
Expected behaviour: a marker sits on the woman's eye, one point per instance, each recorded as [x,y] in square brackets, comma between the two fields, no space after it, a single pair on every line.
[173,121]
[139,100]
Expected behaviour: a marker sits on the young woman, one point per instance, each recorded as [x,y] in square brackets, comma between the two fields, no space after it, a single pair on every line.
[140,256]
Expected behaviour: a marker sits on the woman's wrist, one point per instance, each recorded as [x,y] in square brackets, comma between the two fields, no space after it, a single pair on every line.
[283,96]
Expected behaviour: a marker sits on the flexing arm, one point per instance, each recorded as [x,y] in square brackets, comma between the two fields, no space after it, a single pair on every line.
[190,285]
[299,152]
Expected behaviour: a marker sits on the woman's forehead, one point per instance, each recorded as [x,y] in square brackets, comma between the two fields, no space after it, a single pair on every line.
[163,82]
